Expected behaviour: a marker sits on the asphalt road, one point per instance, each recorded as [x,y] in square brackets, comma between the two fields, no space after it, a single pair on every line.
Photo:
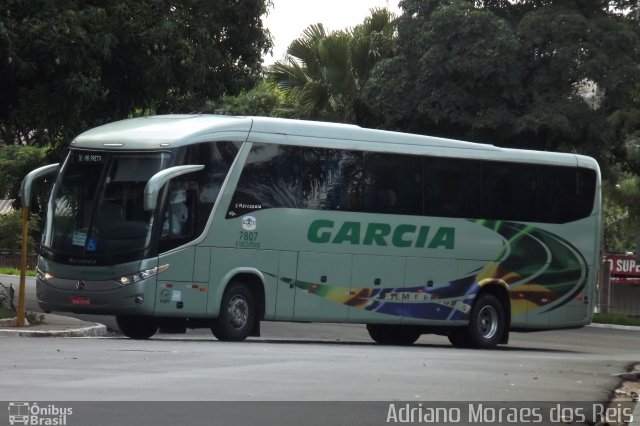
[317,362]
[311,364]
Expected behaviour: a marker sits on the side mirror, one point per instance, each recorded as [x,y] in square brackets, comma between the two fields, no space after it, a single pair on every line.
[27,182]
[157,181]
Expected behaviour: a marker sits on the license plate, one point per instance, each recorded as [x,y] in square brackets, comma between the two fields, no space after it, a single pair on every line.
[80,300]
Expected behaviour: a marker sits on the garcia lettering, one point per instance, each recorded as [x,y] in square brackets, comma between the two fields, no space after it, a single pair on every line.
[324,231]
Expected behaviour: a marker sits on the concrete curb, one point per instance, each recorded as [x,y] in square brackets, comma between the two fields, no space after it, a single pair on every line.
[91,331]
[54,326]
[96,330]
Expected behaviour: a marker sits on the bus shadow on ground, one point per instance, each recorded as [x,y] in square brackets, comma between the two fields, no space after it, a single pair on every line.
[298,341]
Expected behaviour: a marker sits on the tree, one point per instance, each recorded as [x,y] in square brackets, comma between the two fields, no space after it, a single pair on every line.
[265,99]
[621,214]
[511,73]
[69,65]
[324,73]
[15,163]
[11,232]
[457,73]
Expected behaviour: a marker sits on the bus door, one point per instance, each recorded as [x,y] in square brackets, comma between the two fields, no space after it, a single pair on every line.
[322,287]
[182,288]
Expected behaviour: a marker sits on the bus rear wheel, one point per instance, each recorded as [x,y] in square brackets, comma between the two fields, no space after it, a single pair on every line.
[486,325]
[393,334]
[237,314]
[139,328]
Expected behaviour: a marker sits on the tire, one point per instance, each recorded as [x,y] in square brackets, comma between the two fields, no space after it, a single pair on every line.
[486,322]
[139,328]
[459,337]
[173,329]
[237,314]
[393,334]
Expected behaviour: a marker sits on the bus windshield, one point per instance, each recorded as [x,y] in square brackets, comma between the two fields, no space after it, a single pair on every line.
[96,209]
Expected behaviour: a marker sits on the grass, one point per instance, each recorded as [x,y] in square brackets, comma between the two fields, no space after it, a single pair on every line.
[616,319]
[5,313]
[15,271]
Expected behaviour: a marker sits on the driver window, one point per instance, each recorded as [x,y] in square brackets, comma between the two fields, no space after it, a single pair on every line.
[189,199]
[179,215]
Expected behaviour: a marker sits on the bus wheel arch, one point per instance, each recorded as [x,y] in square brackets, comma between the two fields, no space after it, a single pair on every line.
[241,308]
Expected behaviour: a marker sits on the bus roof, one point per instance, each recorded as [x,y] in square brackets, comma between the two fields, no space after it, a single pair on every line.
[164,131]
[160,131]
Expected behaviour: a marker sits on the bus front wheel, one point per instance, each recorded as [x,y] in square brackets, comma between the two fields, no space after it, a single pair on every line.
[237,313]
[138,328]
[393,334]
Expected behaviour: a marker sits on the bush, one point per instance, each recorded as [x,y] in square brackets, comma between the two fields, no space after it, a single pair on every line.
[11,233]
[7,301]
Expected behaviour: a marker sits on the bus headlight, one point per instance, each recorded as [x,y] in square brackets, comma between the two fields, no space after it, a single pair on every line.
[43,276]
[141,275]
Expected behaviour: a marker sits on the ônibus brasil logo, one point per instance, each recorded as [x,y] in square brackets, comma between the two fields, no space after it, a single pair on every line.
[31,414]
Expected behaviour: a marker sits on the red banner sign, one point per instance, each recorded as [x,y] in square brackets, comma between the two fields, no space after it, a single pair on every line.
[624,269]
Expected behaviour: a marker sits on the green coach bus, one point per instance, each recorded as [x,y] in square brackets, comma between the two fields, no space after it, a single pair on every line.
[224,222]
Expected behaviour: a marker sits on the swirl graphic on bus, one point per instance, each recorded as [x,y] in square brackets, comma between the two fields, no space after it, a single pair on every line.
[542,271]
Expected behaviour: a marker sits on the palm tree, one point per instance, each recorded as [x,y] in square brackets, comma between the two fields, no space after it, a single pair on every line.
[324,73]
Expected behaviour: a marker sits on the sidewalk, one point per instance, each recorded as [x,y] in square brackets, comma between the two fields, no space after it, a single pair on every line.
[54,326]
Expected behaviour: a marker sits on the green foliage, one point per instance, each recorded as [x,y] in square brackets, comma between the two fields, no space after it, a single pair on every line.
[69,65]
[622,214]
[11,232]
[16,271]
[15,162]
[539,74]
[619,233]
[5,313]
[616,319]
[7,298]
[324,73]
[34,318]
[457,74]
[265,99]
[8,307]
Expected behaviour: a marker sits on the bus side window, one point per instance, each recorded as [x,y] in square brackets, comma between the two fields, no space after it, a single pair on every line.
[452,187]
[270,179]
[510,191]
[392,184]
[332,179]
[570,201]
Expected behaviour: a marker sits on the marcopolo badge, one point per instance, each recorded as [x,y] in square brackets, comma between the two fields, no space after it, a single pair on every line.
[249,223]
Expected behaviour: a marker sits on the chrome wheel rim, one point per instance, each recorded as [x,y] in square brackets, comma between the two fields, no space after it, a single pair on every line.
[238,310]
[488,322]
